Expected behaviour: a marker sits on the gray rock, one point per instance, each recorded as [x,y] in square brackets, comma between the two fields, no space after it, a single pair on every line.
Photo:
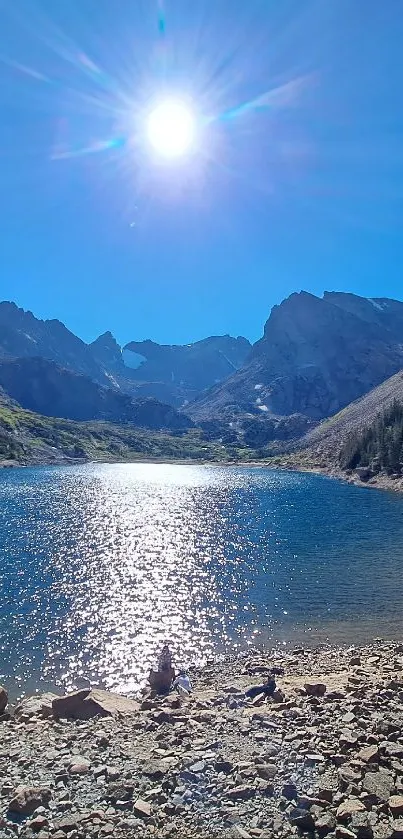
[379,784]
[325,824]
[302,819]
[315,688]
[346,809]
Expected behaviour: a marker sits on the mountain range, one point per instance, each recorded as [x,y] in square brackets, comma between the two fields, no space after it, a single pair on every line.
[173,374]
[316,356]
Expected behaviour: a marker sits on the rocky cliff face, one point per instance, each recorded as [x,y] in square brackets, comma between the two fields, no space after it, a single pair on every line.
[24,335]
[107,352]
[173,374]
[316,356]
[179,373]
[44,387]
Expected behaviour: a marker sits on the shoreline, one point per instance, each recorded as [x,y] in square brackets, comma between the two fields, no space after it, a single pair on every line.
[380,482]
[278,462]
[324,756]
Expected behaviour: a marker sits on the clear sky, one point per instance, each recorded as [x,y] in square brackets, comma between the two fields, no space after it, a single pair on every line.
[296,179]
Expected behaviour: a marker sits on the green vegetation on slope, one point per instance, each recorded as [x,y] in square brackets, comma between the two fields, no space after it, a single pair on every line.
[378,447]
[26,437]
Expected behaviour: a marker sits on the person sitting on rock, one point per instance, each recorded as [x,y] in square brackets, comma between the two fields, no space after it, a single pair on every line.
[266,690]
[182,684]
[161,679]
[165,659]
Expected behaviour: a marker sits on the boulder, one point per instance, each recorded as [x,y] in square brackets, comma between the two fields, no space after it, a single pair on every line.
[315,689]
[85,704]
[35,706]
[27,799]
[3,699]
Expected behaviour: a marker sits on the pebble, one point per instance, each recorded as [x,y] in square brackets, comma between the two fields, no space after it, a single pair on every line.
[327,759]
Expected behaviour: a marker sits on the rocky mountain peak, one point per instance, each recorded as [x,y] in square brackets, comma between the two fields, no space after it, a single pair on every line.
[316,356]
[106,350]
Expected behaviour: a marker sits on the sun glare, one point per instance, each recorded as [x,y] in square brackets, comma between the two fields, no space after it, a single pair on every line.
[171,128]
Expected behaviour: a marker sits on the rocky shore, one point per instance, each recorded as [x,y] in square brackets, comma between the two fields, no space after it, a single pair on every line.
[323,758]
[303,461]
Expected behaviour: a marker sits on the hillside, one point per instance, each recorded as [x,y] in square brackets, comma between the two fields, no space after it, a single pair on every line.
[377,448]
[363,442]
[29,438]
[43,386]
[329,437]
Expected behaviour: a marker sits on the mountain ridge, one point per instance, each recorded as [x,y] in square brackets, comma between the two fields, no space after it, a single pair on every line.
[314,358]
[180,374]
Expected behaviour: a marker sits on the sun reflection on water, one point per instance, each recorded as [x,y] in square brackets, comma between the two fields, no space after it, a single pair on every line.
[99,565]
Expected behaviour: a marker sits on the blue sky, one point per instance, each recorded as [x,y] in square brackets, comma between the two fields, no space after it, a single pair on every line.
[296,181]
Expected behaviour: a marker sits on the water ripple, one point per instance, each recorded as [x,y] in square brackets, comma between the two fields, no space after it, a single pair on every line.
[100,564]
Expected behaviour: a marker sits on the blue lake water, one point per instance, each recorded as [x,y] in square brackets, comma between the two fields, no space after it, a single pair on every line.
[99,564]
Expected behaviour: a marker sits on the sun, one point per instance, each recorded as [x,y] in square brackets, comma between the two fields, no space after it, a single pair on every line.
[171,128]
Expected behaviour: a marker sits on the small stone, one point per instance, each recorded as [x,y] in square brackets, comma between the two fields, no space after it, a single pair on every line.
[379,784]
[315,689]
[38,823]
[267,771]
[67,824]
[348,739]
[369,754]
[240,832]
[142,808]
[242,792]
[197,767]
[154,769]
[302,819]
[325,824]
[119,792]
[361,826]
[344,833]
[396,805]
[112,773]
[397,829]
[290,792]
[224,766]
[346,809]
[80,768]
